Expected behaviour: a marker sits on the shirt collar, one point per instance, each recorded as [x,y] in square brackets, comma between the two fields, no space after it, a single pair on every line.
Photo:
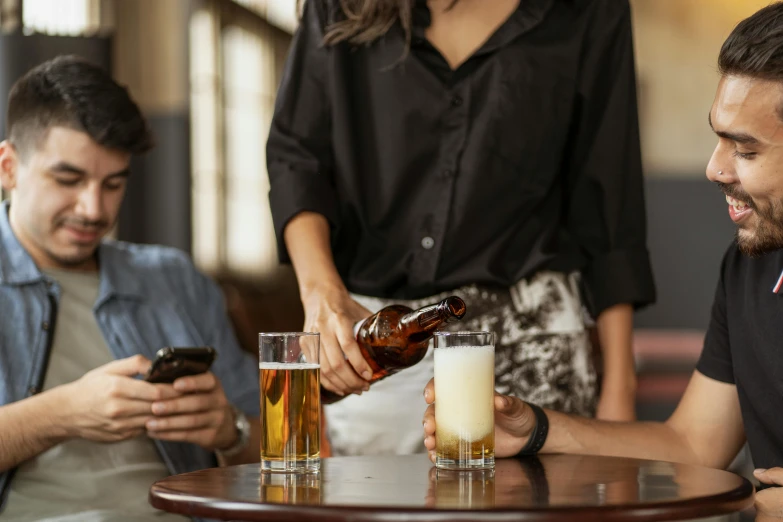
[527,16]
[119,277]
[778,285]
[18,268]
[16,265]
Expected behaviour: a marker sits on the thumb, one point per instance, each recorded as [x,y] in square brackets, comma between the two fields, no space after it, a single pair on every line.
[508,406]
[131,366]
[770,476]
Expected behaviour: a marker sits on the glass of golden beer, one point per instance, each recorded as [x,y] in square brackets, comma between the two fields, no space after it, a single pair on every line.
[290,381]
[464,400]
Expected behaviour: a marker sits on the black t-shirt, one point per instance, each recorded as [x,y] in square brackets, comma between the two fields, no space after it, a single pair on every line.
[744,347]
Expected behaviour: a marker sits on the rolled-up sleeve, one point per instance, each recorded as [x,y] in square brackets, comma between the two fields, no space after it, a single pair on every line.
[298,151]
[605,196]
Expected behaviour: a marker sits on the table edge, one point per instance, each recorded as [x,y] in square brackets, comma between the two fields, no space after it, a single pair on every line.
[730,501]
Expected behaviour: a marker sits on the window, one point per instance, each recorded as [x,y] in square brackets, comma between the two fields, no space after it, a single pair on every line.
[235,62]
[66,17]
[280,13]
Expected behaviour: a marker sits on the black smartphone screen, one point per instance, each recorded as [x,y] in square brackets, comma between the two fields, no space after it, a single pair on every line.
[171,363]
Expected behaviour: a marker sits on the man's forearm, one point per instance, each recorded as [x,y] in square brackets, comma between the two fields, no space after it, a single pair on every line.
[307,240]
[645,440]
[29,427]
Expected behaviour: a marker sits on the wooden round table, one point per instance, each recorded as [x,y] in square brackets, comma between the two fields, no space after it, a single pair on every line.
[548,488]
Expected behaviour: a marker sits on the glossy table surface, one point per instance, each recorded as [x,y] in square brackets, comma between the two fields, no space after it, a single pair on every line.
[548,488]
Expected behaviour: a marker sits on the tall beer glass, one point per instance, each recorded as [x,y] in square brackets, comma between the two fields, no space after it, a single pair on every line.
[464,400]
[290,381]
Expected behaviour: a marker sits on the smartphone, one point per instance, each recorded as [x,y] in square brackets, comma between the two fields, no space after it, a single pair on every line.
[171,363]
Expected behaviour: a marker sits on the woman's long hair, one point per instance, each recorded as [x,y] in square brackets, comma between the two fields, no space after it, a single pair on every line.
[364,21]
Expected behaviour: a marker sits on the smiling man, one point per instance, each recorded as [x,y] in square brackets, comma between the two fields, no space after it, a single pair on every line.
[81,437]
[736,392]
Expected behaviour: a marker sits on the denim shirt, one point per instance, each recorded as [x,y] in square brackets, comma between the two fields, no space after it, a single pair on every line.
[149,297]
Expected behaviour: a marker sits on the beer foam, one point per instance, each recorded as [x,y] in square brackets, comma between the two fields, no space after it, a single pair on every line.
[287,366]
[464,391]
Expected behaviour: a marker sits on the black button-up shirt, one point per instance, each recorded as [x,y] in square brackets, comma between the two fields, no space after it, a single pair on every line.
[525,158]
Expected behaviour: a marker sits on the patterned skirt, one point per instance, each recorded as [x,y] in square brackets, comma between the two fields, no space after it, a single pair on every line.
[543,354]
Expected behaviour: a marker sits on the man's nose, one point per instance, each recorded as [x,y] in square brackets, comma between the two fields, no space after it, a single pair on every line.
[90,204]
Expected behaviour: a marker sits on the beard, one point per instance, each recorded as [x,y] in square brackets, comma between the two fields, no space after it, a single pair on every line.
[764,234]
[82,254]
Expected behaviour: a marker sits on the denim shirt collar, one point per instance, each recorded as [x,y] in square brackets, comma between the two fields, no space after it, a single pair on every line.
[18,268]
[16,265]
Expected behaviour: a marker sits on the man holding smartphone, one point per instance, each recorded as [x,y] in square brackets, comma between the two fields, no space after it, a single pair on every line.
[82,437]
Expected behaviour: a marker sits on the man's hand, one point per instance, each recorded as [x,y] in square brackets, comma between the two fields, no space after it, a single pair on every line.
[108,405]
[769,502]
[201,414]
[330,311]
[514,422]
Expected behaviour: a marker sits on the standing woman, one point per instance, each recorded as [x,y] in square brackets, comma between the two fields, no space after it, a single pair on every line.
[483,148]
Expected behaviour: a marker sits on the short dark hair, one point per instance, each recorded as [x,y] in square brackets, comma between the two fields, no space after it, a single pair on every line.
[755,47]
[71,92]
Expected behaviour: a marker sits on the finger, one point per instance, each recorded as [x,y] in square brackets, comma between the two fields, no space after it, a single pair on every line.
[204,382]
[142,390]
[123,408]
[508,405]
[770,476]
[193,403]
[429,391]
[331,359]
[328,379]
[342,367]
[768,504]
[351,350]
[327,384]
[326,371]
[212,419]
[429,427]
[431,454]
[128,424]
[130,367]
[429,420]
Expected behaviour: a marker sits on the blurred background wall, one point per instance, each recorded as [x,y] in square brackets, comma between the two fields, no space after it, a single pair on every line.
[206,72]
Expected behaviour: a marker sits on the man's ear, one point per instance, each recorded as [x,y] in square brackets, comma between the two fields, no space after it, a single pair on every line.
[9,162]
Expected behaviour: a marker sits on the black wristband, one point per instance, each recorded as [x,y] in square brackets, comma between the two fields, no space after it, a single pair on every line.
[538,436]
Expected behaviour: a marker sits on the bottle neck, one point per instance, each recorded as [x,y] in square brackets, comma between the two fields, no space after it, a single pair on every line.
[431,317]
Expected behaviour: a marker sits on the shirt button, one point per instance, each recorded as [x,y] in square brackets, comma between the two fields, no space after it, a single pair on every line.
[456,101]
[32,390]
[427,242]
[45,325]
[447,173]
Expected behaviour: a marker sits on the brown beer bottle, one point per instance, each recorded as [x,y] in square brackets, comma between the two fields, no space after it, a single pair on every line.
[397,337]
